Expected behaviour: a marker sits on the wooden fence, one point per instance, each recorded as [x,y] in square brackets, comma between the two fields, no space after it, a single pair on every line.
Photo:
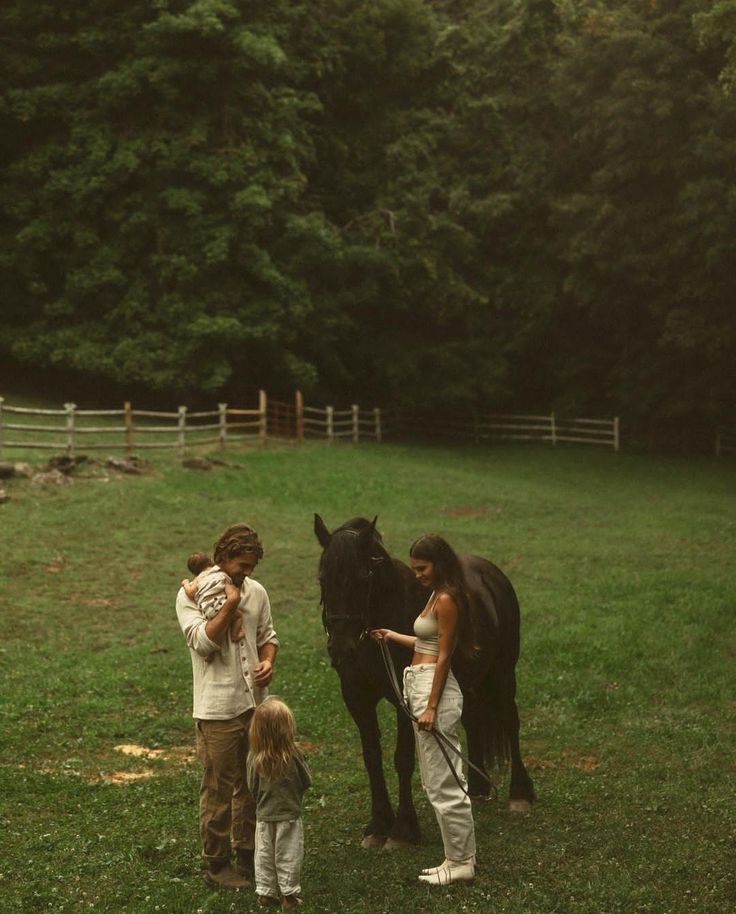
[331,424]
[725,440]
[71,429]
[492,426]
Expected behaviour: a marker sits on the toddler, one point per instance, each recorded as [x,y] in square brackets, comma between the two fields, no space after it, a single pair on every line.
[207,590]
[277,777]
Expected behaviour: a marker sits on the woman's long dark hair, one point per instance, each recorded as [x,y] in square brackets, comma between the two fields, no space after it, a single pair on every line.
[449,576]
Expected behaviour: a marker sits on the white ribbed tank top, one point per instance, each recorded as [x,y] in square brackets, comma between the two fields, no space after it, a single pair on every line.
[427,630]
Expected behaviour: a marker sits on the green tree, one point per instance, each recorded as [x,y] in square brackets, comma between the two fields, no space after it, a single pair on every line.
[644,213]
[154,194]
[504,203]
[437,139]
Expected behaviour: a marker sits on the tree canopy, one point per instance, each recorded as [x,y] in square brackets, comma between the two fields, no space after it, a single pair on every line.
[511,203]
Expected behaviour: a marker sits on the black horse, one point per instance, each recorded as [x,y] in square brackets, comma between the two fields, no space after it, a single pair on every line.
[363,588]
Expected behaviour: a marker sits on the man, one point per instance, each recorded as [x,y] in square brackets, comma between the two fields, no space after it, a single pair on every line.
[227,688]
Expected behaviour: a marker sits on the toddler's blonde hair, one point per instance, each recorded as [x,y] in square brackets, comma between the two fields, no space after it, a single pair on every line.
[271,738]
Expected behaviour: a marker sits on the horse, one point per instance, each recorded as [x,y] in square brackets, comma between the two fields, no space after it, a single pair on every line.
[363,587]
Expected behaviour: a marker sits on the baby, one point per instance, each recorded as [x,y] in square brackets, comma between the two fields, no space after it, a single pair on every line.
[207,590]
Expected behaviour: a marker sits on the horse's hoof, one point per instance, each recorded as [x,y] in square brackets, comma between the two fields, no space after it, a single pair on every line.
[520,806]
[394,844]
[373,841]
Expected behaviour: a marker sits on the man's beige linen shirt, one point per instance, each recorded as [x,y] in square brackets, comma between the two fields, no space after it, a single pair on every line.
[223,688]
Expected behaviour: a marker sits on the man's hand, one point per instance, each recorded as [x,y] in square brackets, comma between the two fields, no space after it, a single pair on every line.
[232,592]
[263,673]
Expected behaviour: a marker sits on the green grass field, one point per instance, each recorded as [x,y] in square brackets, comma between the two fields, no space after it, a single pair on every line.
[624,567]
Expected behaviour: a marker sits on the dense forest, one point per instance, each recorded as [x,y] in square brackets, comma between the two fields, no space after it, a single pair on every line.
[524,204]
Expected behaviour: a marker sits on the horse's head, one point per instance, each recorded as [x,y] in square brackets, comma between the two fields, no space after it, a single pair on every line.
[351,559]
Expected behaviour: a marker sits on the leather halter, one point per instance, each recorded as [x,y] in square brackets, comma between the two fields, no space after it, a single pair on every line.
[361,618]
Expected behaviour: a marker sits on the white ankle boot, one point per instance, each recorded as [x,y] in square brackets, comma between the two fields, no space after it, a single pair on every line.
[450,871]
[434,869]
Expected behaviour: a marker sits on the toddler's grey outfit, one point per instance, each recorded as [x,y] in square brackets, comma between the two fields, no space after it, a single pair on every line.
[279,828]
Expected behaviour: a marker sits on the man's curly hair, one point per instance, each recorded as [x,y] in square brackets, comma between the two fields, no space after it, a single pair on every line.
[236,540]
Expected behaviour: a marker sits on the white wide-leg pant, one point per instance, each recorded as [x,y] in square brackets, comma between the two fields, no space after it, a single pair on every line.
[278,857]
[452,807]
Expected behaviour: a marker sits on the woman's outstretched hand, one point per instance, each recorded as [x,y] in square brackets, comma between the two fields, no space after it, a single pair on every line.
[380,634]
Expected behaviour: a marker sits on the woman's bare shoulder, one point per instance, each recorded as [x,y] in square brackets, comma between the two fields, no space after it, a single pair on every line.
[445,603]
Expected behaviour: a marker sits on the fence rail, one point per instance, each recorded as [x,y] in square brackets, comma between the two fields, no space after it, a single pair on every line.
[511,427]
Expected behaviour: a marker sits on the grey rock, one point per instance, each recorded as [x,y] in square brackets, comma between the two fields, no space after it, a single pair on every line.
[132,465]
[52,478]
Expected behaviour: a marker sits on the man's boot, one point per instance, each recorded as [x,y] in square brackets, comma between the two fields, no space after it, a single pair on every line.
[244,863]
[222,875]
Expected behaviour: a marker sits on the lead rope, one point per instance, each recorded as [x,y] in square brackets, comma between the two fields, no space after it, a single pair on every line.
[442,740]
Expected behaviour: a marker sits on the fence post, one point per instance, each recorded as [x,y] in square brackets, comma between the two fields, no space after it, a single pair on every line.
[262,424]
[182,430]
[70,407]
[223,424]
[128,426]
[377,423]
[2,400]
[299,404]
[553,428]
[616,439]
[356,427]
[330,411]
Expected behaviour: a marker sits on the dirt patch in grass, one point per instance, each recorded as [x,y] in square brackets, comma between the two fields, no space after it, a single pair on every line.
[92,770]
[569,759]
[175,754]
[126,777]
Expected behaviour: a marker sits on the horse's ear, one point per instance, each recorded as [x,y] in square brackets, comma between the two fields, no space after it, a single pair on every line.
[321,532]
[368,534]
[376,533]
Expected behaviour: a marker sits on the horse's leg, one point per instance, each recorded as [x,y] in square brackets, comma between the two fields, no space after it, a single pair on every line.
[474,723]
[521,790]
[382,816]
[406,825]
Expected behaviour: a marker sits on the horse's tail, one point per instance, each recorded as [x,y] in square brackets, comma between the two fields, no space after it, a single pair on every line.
[498,686]
[497,692]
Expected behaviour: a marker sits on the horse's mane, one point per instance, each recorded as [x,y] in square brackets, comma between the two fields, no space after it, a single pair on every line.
[341,550]
[357,525]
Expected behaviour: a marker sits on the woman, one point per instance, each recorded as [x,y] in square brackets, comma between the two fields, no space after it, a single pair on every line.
[434,698]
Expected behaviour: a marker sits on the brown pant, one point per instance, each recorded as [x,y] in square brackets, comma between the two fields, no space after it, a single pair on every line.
[225,805]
